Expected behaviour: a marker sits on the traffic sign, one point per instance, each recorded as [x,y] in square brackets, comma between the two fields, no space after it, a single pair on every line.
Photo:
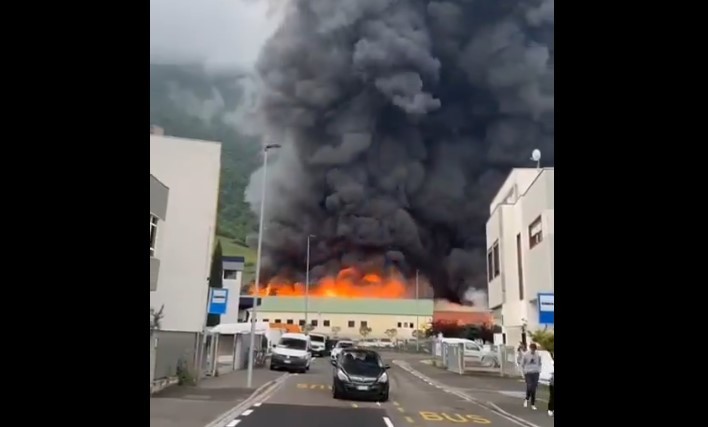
[546,303]
[217,300]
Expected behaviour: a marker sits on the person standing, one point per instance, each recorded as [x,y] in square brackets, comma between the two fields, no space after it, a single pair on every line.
[531,367]
[551,406]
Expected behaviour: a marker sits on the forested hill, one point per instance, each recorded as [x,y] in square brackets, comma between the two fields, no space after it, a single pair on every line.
[189,103]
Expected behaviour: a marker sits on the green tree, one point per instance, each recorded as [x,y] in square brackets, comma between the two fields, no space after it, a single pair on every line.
[391,333]
[544,338]
[216,280]
[364,331]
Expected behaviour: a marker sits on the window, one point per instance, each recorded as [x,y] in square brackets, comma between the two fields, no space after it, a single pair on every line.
[313,323]
[301,322]
[289,321]
[230,274]
[493,267]
[350,324]
[153,234]
[399,324]
[265,320]
[519,266]
[278,321]
[535,233]
[326,323]
[364,323]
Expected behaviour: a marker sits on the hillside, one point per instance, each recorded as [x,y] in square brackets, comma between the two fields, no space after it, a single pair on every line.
[189,103]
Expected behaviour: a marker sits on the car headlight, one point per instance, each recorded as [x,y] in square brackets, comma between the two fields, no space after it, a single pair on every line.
[383,378]
[342,376]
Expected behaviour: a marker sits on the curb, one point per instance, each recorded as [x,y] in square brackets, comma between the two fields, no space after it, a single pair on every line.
[234,412]
[487,405]
[159,385]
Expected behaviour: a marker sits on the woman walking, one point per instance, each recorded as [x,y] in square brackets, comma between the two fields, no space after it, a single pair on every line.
[551,406]
[531,366]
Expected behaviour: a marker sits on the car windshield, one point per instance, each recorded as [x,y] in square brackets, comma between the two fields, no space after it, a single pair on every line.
[345,344]
[361,363]
[317,338]
[292,343]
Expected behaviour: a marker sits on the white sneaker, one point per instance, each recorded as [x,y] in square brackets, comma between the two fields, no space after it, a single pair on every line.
[550,413]
[526,403]
[533,407]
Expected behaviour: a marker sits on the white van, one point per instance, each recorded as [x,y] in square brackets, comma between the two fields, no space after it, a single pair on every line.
[292,353]
[318,343]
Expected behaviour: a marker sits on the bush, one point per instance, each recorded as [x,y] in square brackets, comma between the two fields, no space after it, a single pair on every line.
[544,338]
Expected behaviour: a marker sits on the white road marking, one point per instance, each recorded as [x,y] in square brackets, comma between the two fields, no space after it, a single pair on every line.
[233,423]
[388,422]
[257,404]
[378,403]
[247,412]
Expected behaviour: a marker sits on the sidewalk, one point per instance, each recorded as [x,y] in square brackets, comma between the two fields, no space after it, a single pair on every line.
[505,393]
[183,406]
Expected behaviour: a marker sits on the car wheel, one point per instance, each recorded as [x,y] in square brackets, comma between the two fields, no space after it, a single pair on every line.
[335,392]
[384,397]
[272,368]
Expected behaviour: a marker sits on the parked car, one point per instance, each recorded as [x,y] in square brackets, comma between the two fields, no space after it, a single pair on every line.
[360,373]
[341,345]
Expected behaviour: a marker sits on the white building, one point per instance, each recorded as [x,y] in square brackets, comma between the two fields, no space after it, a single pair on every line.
[520,249]
[183,245]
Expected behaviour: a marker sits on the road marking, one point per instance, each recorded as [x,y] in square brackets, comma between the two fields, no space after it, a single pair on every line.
[388,422]
[247,412]
[257,404]
[400,409]
[410,420]
[396,404]
[453,418]
[354,405]
[233,423]
[314,386]
[378,403]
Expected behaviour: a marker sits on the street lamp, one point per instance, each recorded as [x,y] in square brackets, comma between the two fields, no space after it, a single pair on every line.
[417,310]
[307,277]
[254,309]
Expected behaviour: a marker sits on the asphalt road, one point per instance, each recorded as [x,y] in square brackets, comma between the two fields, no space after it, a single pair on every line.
[306,400]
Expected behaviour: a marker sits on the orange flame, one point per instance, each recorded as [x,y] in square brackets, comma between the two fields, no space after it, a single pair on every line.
[349,283]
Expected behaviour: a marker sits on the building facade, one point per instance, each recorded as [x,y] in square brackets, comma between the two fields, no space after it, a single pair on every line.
[344,317]
[520,250]
[232,276]
[185,233]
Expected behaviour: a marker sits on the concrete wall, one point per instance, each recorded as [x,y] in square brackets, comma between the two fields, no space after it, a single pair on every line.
[525,195]
[171,348]
[158,207]
[191,169]
[378,323]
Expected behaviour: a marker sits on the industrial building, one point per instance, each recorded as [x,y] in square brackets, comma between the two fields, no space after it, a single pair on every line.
[184,189]
[344,317]
[520,250]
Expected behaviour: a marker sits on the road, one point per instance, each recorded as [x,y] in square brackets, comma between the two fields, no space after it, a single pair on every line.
[305,400]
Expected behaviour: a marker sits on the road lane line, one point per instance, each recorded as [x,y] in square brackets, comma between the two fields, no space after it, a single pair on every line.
[378,403]
[410,420]
[247,412]
[388,422]
[257,404]
[233,423]
[396,404]
[400,409]
[354,405]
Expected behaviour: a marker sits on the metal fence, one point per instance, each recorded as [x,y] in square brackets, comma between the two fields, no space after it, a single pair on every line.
[499,360]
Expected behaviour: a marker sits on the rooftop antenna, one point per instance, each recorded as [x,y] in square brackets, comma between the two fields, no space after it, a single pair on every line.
[536,157]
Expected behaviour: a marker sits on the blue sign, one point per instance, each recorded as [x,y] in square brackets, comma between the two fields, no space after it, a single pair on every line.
[217,300]
[546,303]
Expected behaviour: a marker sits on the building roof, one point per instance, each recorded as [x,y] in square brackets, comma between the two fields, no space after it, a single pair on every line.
[401,307]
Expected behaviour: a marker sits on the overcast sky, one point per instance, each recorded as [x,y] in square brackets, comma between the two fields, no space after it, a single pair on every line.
[214,32]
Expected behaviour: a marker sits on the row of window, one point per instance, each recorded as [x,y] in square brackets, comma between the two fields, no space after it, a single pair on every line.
[493,261]
[327,323]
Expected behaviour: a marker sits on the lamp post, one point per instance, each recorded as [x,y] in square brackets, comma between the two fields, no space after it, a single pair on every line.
[417,310]
[254,310]
[307,278]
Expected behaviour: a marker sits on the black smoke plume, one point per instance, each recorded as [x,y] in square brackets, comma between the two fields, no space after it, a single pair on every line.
[399,121]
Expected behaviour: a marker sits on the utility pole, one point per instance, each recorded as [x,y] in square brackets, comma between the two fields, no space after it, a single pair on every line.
[307,280]
[417,310]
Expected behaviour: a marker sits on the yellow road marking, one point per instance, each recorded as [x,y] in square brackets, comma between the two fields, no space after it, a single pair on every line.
[453,418]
